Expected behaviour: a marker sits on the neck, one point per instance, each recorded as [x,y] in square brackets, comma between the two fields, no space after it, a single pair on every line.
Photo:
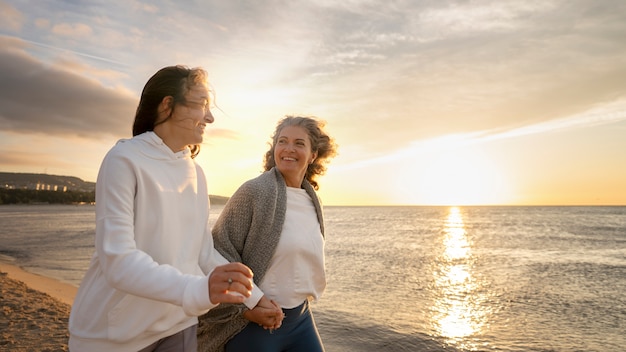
[295,182]
[168,138]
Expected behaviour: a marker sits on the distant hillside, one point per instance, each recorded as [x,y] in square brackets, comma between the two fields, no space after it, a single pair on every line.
[45,182]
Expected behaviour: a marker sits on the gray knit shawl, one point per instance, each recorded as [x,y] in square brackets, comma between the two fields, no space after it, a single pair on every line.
[247,231]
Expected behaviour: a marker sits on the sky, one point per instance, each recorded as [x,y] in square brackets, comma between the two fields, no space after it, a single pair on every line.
[431,102]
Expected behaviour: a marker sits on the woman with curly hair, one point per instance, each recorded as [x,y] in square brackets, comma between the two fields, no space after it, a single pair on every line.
[274,224]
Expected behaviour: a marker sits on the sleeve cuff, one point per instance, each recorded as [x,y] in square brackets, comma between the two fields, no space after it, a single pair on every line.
[254,298]
[196,300]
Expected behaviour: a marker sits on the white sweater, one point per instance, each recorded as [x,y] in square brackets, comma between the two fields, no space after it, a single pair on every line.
[296,270]
[148,277]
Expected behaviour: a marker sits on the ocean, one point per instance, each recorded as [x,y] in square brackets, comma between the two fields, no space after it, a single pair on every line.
[500,278]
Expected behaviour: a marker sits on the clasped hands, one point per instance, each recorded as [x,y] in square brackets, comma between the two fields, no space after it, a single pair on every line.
[267,314]
[232,283]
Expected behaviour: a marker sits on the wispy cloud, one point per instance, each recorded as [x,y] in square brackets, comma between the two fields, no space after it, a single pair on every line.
[611,113]
[104,59]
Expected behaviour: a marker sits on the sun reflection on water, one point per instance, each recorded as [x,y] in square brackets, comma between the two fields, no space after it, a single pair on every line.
[457,311]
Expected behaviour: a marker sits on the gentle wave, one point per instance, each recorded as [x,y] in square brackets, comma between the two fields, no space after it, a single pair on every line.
[421,278]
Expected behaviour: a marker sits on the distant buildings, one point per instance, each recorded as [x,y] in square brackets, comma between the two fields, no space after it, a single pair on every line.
[38,187]
[44,182]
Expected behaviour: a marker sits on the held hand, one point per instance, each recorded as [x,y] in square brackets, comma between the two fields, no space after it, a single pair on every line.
[267,313]
[230,283]
[275,312]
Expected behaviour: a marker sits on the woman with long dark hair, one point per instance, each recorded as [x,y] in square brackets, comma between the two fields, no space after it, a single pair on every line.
[154,269]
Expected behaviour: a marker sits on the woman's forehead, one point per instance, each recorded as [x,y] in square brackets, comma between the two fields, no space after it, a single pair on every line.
[199,91]
[293,132]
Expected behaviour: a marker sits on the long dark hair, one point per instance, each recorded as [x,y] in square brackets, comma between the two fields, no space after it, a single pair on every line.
[174,81]
[321,143]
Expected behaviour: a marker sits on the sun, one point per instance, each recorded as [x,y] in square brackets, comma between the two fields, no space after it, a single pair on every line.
[456,176]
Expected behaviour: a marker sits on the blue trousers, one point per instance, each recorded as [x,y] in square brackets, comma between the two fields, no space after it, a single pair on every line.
[298,333]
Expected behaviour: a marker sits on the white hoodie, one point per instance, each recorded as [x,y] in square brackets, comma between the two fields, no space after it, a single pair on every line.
[148,278]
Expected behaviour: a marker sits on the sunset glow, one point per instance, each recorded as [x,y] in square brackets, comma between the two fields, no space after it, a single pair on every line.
[455,103]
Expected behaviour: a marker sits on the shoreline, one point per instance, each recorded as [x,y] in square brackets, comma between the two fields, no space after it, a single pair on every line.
[36,310]
[57,289]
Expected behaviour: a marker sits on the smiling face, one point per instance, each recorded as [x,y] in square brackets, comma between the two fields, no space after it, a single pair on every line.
[194,114]
[188,119]
[293,154]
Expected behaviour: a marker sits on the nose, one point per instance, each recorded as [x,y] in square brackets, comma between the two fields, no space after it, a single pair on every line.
[208,116]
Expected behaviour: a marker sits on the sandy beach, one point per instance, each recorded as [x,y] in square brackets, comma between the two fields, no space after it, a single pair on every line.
[35,311]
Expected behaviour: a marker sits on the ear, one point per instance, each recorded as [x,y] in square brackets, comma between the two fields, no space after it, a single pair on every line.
[166,105]
[313,157]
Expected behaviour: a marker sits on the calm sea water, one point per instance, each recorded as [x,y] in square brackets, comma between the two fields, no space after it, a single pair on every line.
[421,278]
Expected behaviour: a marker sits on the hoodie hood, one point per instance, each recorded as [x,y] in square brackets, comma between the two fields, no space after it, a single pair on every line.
[150,145]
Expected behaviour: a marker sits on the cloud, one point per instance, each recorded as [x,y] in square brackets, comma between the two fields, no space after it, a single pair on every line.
[10,18]
[46,99]
[606,114]
[406,70]
[64,97]
[609,113]
[76,30]
[149,8]
[21,158]
[42,23]
[467,18]
[485,65]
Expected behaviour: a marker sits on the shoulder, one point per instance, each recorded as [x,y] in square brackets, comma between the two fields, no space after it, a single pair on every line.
[121,152]
[137,150]
[260,188]
[261,182]
[125,146]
